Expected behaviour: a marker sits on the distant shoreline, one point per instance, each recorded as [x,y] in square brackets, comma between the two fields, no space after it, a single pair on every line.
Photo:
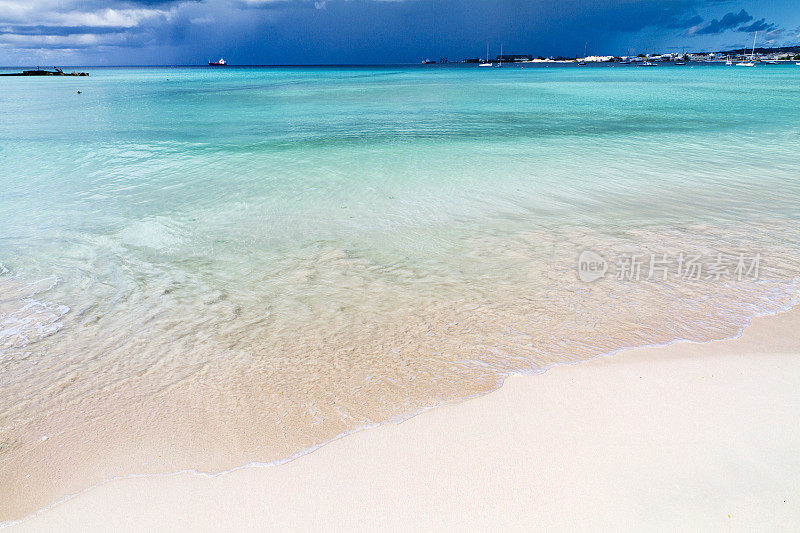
[568,63]
[758,50]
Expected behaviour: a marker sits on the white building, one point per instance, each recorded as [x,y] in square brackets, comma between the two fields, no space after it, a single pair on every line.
[598,59]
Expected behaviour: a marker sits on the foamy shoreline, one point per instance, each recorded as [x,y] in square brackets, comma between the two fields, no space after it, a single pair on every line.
[683,435]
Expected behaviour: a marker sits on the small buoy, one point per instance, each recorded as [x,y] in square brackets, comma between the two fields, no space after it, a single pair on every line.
[79,92]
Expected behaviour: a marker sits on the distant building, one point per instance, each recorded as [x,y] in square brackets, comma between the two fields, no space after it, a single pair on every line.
[515,58]
[598,59]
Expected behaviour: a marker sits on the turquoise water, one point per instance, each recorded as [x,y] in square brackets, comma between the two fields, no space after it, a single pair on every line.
[264,259]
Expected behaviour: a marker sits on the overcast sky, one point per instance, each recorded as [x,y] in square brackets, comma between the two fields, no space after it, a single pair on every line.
[147,32]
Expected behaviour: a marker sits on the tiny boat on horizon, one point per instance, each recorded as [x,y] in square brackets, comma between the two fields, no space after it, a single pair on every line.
[220,63]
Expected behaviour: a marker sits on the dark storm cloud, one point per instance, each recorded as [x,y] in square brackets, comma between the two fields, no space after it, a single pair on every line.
[678,23]
[356,31]
[460,28]
[728,22]
[759,25]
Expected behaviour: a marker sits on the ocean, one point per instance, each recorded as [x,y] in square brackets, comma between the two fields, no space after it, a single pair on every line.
[206,268]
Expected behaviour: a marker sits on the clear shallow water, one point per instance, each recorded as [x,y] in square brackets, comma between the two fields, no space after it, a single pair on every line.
[203,268]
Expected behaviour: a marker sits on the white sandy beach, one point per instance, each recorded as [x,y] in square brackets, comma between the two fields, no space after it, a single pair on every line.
[684,436]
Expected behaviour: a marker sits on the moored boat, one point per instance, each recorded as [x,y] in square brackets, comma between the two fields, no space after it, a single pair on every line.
[751,62]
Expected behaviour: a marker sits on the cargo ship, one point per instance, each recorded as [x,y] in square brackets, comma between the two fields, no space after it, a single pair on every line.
[220,63]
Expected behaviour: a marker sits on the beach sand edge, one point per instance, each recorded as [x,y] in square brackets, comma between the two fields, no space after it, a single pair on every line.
[685,435]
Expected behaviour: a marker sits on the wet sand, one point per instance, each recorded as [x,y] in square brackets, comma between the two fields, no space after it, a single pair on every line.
[682,436]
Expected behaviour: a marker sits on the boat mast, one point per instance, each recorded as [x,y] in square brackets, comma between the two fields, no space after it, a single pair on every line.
[753,55]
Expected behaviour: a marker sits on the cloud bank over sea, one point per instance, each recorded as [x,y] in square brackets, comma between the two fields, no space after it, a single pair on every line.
[373,31]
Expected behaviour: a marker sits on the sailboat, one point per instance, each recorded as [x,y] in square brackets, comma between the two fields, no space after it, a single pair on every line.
[500,64]
[752,56]
[582,62]
[486,63]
